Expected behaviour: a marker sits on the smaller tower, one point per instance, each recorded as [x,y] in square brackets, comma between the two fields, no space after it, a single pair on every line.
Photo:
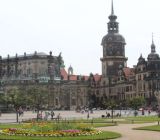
[153,55]
[153,46]
[70,70]
[113,24]
[50,53]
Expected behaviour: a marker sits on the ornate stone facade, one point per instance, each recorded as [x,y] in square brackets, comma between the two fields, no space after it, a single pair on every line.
[121,82]
[45,72]
[31,67]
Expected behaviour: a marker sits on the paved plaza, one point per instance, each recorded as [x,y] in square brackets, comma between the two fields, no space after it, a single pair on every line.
[11,117]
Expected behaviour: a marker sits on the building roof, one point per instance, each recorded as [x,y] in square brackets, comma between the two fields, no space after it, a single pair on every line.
[78,77]
[39,54]
[73,77]
[64,74]
[129,71]
[97,77]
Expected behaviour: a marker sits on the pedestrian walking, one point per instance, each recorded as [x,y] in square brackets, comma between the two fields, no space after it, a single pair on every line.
[52,114]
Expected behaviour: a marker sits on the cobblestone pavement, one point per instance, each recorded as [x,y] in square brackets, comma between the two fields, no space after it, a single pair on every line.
[129,134]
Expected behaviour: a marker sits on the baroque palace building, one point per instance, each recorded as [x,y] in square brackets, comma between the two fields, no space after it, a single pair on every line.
[65,90]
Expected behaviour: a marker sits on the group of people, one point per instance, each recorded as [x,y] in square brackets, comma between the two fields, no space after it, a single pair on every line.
[47,114]
[143,112]
[20,112]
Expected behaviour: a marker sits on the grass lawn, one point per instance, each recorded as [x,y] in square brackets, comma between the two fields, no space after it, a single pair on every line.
[150,128]
[10,126]
[103,124]
[144,118]
[111,122]
[103,136]
[138,119]
[94,125]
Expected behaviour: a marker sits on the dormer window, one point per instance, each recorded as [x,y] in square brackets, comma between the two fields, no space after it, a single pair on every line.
[144,68]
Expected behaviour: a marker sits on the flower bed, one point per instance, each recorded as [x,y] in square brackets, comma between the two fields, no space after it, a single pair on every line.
[50,130]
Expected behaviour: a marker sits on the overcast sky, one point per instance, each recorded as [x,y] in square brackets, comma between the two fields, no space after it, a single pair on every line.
[76,28]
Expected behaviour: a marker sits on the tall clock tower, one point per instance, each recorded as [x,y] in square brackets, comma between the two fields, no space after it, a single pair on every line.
[113,49]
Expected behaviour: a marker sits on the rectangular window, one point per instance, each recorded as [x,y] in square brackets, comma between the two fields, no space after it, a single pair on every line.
[73,101]
[127,89]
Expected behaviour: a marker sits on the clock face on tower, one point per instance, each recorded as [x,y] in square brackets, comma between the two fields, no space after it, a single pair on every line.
[114,49]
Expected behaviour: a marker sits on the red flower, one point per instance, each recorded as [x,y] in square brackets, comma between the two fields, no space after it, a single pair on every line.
[12,129]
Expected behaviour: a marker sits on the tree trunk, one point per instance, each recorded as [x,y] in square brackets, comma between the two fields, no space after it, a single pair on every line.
[112,113]
[17,116]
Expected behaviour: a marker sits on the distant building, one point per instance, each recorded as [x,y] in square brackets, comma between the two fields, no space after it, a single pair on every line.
[31,67]
[23,72]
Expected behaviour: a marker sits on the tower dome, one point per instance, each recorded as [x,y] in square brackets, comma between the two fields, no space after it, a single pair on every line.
[113,37]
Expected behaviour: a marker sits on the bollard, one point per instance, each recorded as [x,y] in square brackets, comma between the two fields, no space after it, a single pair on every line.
[158,122]
[92,122]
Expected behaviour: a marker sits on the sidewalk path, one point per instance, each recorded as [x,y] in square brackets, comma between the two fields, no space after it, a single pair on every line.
[127,132]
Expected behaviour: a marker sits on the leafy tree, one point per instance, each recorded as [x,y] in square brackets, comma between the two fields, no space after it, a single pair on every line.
[15,98]
[2,99]
[37,98]
[111,104]
[136,103]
